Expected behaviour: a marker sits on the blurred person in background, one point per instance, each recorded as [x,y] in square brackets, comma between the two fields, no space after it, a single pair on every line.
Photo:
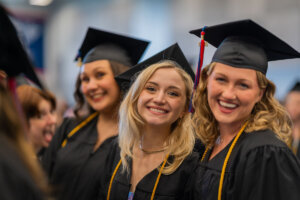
[76,158]
[39,110]
[20,174]
[292,104]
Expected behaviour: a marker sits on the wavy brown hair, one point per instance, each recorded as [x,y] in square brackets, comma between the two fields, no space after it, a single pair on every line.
[30,97]
[268,113]
[131,123]
[117,68]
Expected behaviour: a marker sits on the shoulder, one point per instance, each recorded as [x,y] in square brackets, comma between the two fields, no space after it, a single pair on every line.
[261,138]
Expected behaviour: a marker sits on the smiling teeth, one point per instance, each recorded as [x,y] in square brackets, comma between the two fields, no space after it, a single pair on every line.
[97,96]
[157,110]
[228,105]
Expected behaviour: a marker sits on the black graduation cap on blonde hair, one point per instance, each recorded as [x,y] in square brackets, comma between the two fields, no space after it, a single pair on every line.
[173,53]
[99,44]
[13,57]
[296,87]
[245,44]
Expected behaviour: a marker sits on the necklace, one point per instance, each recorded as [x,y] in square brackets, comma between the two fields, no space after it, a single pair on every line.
[219,140]
[149,151]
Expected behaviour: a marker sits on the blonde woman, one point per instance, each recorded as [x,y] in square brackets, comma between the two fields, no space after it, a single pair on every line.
[155,136]
[245,129]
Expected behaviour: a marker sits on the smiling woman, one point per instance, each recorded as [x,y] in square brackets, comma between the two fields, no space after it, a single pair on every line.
[244,128]
[39,110]
[156,141]
[76,159]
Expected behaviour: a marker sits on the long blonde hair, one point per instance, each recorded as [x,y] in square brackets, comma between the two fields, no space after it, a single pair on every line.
[268,113]
[131,123]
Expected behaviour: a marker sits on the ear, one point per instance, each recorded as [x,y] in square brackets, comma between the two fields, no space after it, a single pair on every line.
[261,94]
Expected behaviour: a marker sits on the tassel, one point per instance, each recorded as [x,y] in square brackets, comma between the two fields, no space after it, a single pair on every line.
[200,63]
[79,59]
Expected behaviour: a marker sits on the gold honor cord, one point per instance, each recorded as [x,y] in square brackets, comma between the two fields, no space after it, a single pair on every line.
[155,185]
[226,159]
[79,126]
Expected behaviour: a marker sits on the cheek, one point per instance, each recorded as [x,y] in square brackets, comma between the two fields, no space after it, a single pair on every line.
[83,89]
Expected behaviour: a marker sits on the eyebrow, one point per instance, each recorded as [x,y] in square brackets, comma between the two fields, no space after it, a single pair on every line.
[242,79]
[170,87]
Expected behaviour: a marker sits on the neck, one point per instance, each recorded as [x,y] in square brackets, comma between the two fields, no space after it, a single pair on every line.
[296,130]
[229,131]
[154,138]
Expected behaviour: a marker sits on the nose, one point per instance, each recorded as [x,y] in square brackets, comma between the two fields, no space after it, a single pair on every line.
[160,97]
[229,93]
[91,84]
[52,118]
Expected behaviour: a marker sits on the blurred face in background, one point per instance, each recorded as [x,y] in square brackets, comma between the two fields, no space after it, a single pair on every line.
[99,87]
[292,104]
[42,126]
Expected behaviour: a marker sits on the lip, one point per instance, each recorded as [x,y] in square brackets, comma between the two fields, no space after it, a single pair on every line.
[157,110]
[48,135]
[226,110]
[96,99]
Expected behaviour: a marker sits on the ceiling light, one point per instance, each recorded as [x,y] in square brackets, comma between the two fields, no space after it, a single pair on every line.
[40,2]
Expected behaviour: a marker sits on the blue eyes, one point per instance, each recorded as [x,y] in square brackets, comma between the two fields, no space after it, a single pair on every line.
[173,94]
[220,79]
[245,86]
[223,81]
[153,89]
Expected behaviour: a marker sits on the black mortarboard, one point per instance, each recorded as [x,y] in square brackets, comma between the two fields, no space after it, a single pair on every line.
[296,87]
[172,53]
[245,44]
[99,44]
[13,58]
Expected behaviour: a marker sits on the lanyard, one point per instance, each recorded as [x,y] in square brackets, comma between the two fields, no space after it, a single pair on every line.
[156,182]
[226,159]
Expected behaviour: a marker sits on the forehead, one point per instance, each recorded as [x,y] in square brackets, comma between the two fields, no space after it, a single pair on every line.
[293,96]
[234,72]
[96,65]
[44,104]
[167,77]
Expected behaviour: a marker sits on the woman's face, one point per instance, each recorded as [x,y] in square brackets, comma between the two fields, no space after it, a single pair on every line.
[232,93]
[162,100]
[98,85]
[42,127]
[292,104]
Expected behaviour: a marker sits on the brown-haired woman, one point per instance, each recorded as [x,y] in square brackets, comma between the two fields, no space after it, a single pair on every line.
[76,158]
[244,128]
[39,111]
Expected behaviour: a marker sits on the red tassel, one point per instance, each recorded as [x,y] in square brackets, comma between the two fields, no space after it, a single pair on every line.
[200,63]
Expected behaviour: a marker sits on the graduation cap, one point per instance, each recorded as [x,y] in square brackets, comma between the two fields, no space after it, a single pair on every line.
[13,58]
[99,44]
[172,53]
[245,44]
[296,87]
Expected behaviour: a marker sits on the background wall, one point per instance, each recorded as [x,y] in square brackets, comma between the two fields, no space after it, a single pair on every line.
[163,22]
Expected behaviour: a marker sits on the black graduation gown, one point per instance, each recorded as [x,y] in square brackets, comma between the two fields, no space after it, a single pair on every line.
[260,167]
[76,171]
[298,153]
[170,187]
[15,181]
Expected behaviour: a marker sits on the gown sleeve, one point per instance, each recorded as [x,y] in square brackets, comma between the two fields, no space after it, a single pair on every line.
[266,172]
[55,144]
